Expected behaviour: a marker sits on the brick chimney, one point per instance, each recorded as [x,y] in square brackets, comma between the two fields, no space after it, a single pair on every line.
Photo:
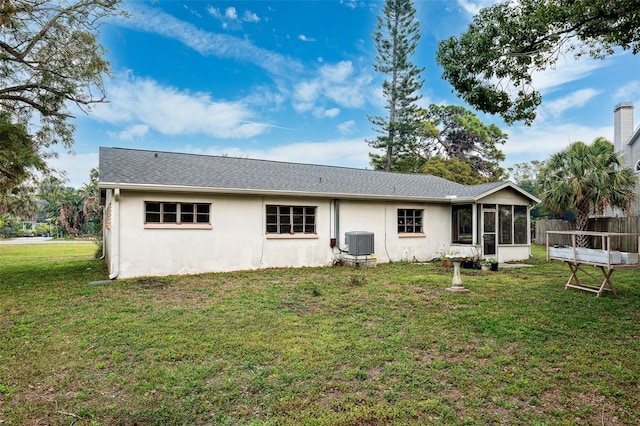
[622,130]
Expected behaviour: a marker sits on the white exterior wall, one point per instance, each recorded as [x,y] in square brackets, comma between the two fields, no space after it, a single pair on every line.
[237,238]
[236,241]
[382,220]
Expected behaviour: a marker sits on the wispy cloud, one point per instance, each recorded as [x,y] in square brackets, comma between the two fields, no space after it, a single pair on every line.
[249,16]
[339,83]
[143,104]
[627,92]
[472,7]
[566,70]
[321,112]
[76,167]
[346,153]
[557,107]
[303,37]
[351,4]
[542,141]
[153,20]
[231,13]
[137,131]
[347,127]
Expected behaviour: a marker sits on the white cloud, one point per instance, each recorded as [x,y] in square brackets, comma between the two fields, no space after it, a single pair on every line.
[557,107]
[230,13]
[249,16]
[337,83]
[170,111]
[332,112]
[567,69]
[303,37]
[540,142]
[472,7]
[132,132]
[347,127]
[338,73]
[320,112]
[351,4]
[76,167]
[153,20]
[215,12]
[629,91]
[345,153]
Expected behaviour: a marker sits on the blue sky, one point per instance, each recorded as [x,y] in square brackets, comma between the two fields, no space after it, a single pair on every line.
[293,81]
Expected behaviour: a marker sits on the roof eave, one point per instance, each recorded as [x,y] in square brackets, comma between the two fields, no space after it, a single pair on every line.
[263,192]
[634,136]
[505,185]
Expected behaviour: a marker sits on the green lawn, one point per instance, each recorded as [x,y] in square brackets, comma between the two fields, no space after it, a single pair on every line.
[317,346]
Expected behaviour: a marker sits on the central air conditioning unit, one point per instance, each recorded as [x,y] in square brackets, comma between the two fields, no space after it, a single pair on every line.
[359,243]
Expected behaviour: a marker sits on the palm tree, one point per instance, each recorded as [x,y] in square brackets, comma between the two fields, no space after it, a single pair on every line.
[584,179]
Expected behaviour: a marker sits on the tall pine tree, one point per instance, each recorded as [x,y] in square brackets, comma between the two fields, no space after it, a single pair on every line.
[396,37]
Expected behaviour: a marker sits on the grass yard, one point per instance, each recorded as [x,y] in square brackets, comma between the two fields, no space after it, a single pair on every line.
[317,346]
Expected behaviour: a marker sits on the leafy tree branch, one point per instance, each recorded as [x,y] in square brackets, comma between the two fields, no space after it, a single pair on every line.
[491,65]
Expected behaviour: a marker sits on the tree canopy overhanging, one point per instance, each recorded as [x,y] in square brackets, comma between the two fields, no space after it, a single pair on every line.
[50,58]
[491,65]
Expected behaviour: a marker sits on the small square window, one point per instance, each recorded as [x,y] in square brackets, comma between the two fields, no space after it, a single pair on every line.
[409,221]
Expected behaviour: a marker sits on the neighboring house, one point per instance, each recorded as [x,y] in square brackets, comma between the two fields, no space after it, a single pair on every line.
[172,213]
[626,140]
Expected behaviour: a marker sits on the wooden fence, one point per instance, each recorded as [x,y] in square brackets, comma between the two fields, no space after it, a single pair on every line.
[627,225]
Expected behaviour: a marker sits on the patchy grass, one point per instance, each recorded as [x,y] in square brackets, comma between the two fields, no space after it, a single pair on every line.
[317,346]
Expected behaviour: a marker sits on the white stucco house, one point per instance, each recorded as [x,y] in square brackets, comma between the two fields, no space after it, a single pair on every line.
[171,213]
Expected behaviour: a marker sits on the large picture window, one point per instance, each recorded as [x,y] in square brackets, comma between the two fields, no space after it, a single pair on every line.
[409,221]
[177,213]
[291,219]
[462,224]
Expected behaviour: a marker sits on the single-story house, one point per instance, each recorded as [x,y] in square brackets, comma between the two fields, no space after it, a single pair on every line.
[169,213]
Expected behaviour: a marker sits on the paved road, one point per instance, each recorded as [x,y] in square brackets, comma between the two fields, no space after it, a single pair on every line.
[43,240]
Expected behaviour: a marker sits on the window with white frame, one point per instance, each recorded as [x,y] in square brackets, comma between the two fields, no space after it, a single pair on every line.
[410,221]
[291,219]
[177,213]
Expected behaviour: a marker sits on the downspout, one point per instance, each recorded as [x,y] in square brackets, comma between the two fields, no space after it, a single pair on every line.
[336,221]
[115,233]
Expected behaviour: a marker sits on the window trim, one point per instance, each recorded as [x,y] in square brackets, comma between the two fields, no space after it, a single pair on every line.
[178,224]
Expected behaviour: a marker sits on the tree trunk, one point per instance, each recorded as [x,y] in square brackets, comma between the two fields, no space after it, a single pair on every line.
[582,222]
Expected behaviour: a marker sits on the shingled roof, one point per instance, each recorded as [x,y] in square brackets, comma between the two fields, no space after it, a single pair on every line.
[156,170]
